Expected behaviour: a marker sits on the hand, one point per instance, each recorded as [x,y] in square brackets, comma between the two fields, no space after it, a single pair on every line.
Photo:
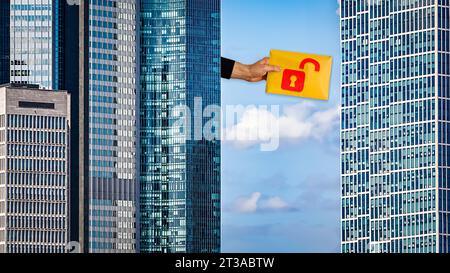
[254,72]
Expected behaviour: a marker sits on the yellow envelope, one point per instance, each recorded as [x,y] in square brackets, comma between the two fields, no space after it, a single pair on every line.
[302,75]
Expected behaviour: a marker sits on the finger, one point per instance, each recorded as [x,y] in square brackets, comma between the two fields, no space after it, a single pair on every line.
[272,68]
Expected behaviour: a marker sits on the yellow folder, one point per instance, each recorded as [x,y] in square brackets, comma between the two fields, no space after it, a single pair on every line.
[302,75]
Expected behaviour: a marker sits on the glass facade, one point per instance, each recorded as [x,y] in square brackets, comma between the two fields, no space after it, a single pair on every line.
[112,125]
[4,41]
[179,176]
[394,145]
[35,42]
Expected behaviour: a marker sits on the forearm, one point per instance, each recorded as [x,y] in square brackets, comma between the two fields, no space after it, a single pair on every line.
[241,72]
[227,66]
[235,70]
[252,73]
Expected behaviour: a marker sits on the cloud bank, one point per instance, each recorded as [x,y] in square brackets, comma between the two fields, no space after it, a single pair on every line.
[299,122]
[257,202]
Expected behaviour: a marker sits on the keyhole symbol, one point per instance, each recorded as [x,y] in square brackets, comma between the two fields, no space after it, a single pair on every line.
[293,81]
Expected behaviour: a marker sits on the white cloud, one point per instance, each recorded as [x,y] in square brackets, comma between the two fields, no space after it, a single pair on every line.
[256,202]
[274,203]
[247,204]
[299,122]
[256,126]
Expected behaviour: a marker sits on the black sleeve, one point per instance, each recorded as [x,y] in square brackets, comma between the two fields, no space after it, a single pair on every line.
[227,66]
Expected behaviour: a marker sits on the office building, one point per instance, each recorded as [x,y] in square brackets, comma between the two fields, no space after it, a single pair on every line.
[34,170]
[89,49]
[43,49]
[107,123]
[4,41]
[36,42]
[179,173]
[395,113]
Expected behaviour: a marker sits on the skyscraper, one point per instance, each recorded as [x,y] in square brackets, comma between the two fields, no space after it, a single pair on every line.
[36,42]
[89,49]
[179,174]
[395,113]
[34,170]
[107,117]
[4,42]
[43,49]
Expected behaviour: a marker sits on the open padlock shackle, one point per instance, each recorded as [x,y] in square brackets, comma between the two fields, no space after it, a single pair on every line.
[310,61]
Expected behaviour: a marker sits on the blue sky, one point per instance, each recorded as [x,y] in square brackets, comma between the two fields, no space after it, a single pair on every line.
[286,200]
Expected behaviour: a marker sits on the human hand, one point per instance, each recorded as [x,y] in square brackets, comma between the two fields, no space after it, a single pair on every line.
[254,72]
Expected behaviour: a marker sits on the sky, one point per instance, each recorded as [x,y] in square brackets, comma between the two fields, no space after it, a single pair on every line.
[286,200]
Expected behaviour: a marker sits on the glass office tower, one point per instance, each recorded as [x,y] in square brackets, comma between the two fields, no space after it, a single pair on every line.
[179,175]
[4,41]
[36,42]
[108,87]
[395,113]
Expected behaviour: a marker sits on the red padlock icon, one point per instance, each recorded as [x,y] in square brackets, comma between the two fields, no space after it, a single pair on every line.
[294,80]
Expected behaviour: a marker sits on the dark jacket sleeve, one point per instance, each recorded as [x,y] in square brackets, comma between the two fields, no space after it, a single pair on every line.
[227,66]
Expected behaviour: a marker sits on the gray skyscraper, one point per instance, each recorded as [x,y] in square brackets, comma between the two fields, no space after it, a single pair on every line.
[179,174]
[34,170]
[395,126]
[107,121]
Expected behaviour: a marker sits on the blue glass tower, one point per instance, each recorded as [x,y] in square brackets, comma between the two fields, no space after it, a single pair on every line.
[395,113]
[179,176]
